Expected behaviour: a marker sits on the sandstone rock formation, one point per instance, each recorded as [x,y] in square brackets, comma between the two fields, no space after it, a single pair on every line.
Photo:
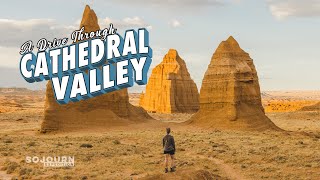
[286,105]
[102,111]
[170,88]
[230,93]
[314,107]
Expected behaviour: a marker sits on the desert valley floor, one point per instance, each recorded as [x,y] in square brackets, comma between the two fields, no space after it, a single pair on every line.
[135,152]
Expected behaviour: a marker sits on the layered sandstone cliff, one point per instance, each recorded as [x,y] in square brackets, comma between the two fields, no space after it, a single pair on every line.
[170,88]
[314,107]
[230,93]
[102,111]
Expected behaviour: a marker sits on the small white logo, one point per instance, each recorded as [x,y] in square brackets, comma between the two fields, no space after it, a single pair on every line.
[52,161]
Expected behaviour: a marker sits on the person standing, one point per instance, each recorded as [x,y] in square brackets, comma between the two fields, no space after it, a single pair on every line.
[169,149]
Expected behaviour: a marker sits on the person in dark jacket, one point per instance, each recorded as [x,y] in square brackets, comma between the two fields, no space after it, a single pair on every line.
[169,150]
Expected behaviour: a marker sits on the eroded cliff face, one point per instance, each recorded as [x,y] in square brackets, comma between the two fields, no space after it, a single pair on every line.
[102,111]
[230,92]
[170,88]
[315,107]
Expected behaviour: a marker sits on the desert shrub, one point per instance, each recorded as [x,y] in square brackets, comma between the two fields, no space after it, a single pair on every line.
[86,146]
[11,166]
[84,178]
[116,142]
[7,141]
[67,177]
[25,171]
[31,144]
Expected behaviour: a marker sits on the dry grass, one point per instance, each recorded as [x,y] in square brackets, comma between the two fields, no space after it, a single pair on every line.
[133,152]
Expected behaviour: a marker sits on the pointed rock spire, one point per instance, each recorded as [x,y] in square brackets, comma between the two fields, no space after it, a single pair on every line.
[170,88]
[103,111]
[89,20]
[230,93]
[230,45]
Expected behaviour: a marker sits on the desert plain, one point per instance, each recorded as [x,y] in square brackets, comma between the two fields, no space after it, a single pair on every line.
[135,151]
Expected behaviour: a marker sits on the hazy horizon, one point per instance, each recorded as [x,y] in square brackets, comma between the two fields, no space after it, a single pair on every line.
[19,82]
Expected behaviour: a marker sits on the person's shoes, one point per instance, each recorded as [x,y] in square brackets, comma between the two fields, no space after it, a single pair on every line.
[173,169]
[166,170]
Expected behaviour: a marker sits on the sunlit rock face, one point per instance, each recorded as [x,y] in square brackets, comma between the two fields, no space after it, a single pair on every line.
[230,92]
[170,88]
[106,110]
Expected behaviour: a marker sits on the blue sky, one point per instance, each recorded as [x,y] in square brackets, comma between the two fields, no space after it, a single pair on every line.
[282,36]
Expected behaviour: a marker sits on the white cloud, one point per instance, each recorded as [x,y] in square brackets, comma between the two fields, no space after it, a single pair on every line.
[9,57]
[177,3]
[175,23]
[282,9]
[16,32]
[128,22]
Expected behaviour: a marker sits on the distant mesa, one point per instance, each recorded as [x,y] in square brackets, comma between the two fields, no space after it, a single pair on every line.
[170,88]
[314,107]
[230,95]
[20,91]
[103,111]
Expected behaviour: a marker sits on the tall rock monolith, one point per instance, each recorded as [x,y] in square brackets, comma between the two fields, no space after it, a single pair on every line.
[103,111]
[170,88]
[230,95]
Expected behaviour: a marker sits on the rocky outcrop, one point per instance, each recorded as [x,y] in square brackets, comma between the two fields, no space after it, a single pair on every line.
[314,107]
[230,94]
[170,88]
[102,111]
